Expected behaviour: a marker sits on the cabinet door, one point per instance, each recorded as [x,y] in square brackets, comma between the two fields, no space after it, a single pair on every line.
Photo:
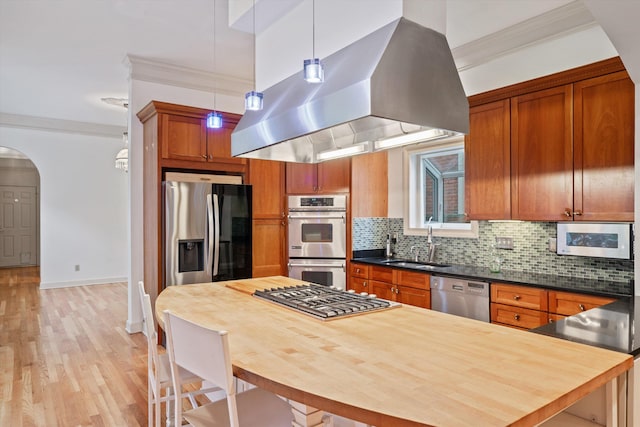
[517,316]
[413,279]
[521,296]
[267,180]
[487,162]
[541,155]
[268,248]
[382,274]
[359,270]
[412,296]
[369,185]
[604,148]
[359,284]
[334,176]
[382,290]
[302,178]
[183,138]
[219,146]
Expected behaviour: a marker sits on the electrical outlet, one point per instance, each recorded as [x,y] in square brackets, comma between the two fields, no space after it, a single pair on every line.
[504,242]
[77,267]
[553,244]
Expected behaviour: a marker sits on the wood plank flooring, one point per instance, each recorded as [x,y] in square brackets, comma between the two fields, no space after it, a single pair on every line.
[65,357]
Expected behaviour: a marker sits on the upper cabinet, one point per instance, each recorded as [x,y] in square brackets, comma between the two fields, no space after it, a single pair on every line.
[332,176]
[541,155]
[558,148]
[487,162]
[603,135]
[369,185]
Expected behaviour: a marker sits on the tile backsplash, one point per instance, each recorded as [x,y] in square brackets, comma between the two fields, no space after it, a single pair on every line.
[530,248]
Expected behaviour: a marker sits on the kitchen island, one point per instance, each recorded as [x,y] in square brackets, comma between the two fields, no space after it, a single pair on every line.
[403,366]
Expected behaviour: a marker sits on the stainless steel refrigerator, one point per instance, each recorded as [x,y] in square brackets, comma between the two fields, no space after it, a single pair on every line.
[207,228]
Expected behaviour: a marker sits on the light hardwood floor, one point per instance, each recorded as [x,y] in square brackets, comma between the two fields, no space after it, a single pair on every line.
[65,357]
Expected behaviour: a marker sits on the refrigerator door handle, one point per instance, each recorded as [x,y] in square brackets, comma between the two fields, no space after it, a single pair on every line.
[216,235]
[209,237]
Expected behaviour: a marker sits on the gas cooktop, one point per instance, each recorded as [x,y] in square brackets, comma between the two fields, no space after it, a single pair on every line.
[323,302]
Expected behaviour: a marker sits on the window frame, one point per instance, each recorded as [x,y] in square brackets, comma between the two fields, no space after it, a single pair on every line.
[414,211]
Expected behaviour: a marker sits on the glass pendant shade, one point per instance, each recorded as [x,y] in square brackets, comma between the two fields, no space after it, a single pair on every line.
[253,101]
[313,70]
[122,159]
[214,120]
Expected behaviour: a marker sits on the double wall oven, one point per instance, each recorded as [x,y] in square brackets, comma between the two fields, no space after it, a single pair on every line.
[318,239]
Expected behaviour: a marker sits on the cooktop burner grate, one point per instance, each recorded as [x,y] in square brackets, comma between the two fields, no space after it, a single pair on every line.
[321,301]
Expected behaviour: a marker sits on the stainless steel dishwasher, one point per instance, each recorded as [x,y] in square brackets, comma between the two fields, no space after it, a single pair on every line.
[462,297]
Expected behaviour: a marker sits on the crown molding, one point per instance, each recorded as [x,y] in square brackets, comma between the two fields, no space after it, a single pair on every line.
[556,23]
[59,125]
[174,75]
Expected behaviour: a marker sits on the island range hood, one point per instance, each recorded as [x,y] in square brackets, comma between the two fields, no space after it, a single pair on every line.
[395,86]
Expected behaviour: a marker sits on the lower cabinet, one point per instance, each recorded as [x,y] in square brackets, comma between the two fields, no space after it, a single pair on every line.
[527,307]
[403,286]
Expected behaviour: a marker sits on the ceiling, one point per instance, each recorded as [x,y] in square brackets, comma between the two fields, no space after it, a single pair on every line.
[59,58]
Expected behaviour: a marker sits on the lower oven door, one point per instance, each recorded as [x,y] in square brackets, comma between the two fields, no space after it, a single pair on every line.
[328,272]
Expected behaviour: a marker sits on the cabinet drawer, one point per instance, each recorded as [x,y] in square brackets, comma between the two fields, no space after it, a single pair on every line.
[359,270]
[359,284]
[411,296]
[413,279]
[383,274]
[569,303]
[519,296]
[517,316]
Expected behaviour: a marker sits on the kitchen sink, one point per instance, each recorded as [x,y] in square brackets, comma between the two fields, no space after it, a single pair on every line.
[414,264]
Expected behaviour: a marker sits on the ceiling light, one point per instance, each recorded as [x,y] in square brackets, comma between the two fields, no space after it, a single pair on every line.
[412,138]
[214,118]
[313,68]
[343,152]
[253,99]
[122,158]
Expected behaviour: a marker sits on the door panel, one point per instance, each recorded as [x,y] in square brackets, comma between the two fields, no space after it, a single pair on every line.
[18,226]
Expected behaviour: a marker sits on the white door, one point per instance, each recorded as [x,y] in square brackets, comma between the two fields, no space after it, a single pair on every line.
[18,226]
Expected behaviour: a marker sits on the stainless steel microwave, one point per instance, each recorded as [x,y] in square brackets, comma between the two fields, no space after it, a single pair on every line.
[610,240]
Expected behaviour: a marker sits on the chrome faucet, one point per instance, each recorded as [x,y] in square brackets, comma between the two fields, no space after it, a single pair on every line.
[417,249]
[431,250]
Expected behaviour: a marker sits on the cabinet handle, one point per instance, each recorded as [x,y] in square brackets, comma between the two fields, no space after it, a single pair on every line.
[567,213]
[550,320]
[517,317]
[581,307]
[516,297]
[364,284]
[357,270]
[204,156]
[577,213]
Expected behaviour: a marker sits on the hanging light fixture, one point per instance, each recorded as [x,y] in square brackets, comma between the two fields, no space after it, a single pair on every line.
[122,158]
[253,99]
[313,68]
[214,118]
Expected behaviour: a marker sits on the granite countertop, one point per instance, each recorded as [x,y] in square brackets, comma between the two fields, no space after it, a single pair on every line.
[610,326]
[547,281]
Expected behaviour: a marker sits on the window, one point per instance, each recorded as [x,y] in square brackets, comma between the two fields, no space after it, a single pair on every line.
[434,185]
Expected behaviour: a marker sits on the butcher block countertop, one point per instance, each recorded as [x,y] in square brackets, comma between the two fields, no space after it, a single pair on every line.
[405,366]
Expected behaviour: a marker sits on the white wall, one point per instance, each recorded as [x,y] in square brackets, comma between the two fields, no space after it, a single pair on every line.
[83,204]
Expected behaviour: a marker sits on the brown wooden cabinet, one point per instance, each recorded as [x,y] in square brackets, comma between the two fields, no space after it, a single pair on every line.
[328,177]
[527,307]
[567,140]
[369,185]
[269,232]
[403,286]
[487,162]
[541,155]
[569,303]
[604,141]
[359,278]
[518,306]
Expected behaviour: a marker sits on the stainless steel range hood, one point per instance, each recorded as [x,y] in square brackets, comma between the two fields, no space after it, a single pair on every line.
[395,82]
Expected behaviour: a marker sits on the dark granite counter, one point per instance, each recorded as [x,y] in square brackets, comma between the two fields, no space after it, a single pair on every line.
[547,281]
[611,326]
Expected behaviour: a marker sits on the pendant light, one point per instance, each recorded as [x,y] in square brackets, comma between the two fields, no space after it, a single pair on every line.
[253,99]
[214,118]
[313,68]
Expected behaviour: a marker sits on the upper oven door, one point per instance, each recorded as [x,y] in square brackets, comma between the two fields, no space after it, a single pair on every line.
[317,234]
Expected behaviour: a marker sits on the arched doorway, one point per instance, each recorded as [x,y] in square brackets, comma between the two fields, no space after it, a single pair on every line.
[19,210]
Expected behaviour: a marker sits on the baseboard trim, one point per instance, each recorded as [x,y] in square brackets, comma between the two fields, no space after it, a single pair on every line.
[69,284]
[133,327]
